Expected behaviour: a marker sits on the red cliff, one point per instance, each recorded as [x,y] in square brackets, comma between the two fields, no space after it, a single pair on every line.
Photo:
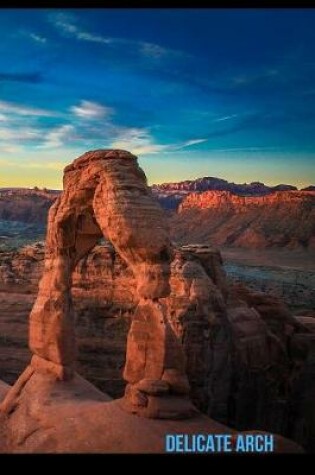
[283,219]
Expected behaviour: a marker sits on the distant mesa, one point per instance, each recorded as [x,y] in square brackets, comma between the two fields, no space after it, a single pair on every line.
[285,220]
[172,194]
[282,219]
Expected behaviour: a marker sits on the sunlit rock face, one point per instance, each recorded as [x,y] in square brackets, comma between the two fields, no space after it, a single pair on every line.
[282,219]
[106,194]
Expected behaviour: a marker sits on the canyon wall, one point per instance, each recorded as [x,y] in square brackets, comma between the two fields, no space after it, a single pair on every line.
[246,216]
[26,205]
[282,220]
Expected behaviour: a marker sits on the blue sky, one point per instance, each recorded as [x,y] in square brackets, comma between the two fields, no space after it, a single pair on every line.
[227,93]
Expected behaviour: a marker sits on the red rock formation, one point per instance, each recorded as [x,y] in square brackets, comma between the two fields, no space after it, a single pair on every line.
[172,194]
[31,205]
[105,192]
[26,205]
[75,417]
[226,199]
[271,309]
[282,219]
[244,353]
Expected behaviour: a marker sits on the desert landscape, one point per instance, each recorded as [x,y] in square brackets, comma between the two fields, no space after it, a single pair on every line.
[157,231]
[248,353]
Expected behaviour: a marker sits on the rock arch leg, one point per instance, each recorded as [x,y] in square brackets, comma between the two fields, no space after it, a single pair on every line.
[71,233]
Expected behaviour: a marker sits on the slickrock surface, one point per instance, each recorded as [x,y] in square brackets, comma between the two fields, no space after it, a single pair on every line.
[282,219]
[75,417]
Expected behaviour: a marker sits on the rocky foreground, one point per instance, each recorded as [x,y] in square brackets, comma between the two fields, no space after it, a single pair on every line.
[89,421]
[249,361]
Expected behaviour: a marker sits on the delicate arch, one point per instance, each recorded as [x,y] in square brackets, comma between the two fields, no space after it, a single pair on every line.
[105,193]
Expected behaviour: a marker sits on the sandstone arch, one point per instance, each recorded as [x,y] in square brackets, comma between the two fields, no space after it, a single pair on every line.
[105,193]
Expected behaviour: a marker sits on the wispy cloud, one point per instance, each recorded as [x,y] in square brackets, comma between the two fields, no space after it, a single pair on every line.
[189,143]
[152,50]
[257,77]
[86,124]
[140,142]
[69,26]
[22,133]
[91,110]
[59,136]
[38,38]
[136,140]
[20,109]
[64,24]
[22,125]
[226,117]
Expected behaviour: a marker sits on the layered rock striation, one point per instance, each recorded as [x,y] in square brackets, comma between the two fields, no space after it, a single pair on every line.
[282,220]
[172,194]
[26,205]
[106,194]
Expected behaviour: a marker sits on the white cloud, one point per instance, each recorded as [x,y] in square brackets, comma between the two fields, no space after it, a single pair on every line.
[67,24]
[226,117]
[153,51]
[136,140]
[38,38]
[91,110]
[140,142]
[59,136]
[19,109]
[20,133]
[189,143]
[83,35]
[94,128]
[64,24]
